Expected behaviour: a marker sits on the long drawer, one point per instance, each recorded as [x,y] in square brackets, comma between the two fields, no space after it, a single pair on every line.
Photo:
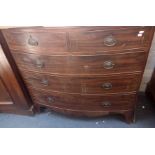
[84,102]
[88,64]
[92,39]
[83,85]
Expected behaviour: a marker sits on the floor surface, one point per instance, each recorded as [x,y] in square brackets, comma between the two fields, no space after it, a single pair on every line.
[145,118]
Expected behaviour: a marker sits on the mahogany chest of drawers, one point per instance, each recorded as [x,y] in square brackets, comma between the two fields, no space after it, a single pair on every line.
[83,71]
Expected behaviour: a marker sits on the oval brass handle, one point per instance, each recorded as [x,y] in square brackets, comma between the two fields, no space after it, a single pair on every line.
[44,82]
[106,104]
[110,41]
[50,99]
[107,86]
[32,41]
[108,64]
[39,64]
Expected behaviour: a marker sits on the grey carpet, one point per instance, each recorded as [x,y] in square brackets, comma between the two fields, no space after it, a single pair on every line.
[145,118]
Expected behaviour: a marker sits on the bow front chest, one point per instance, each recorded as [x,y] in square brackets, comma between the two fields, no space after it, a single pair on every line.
[83,71]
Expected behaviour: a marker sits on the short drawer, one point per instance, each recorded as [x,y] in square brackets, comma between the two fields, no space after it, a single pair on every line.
[84,102]
[83,85]
[109,40]
[36,39]
[94,64]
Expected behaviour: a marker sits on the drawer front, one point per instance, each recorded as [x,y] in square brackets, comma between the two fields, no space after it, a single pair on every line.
[36,40]
[83,85]
[95,64]
[92,39]
[100,40]
[84,102]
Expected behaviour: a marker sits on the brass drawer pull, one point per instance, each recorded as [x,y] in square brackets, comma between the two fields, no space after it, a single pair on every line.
[110,41]
[107,86]
[108,64]
[32,41]
[50,99]
[106,104]
[39,64]
[44,82]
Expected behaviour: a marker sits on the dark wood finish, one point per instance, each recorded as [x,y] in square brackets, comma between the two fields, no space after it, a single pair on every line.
[10,81]
[84,85]
[4,96]
[76,40]
[94,40]
[92,64]
[129,116]
[84,102]
[78,68]
[55,41]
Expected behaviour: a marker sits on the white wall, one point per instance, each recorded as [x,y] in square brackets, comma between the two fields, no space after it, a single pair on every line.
[149,67]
